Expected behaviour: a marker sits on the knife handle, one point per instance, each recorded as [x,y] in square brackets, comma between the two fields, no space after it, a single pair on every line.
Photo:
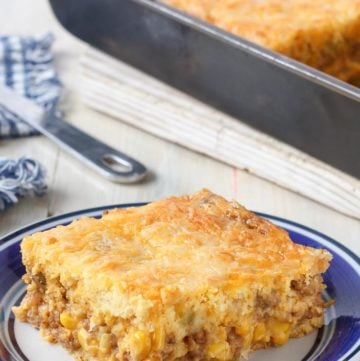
[105,160]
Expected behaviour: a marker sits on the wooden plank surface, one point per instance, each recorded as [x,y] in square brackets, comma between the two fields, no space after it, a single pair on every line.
[121,91]
[175,170]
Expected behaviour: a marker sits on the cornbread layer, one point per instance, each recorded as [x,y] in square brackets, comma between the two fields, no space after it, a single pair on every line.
[322,34]
[186,278]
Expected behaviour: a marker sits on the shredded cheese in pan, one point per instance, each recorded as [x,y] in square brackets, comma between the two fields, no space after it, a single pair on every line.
[322,34]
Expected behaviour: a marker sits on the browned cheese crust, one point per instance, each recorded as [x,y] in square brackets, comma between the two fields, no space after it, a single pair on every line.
[322,34]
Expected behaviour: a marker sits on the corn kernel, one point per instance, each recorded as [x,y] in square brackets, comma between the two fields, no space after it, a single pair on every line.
[280,332]
[93,350]
[221,333]
[117,330]
[110,320]
[141,344]
[280,339]
[159,338]
[243,329]
[105,343]
[68,321]
[278,326]
[259,332]
[104,329]
[83,337]
[219,350]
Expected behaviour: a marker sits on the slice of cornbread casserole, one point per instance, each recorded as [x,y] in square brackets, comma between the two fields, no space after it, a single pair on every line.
[185,278]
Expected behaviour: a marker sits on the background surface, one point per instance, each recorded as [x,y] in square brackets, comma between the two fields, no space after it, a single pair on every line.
[175,170]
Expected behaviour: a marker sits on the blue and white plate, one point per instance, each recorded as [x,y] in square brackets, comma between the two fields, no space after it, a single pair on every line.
[338,340]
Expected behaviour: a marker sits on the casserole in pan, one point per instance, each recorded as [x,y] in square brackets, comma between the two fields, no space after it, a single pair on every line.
[322,34]
[295,103]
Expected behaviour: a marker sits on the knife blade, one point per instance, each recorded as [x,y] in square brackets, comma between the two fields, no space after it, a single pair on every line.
[105,160]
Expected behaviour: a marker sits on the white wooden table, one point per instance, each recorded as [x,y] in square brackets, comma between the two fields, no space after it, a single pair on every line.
[175,170]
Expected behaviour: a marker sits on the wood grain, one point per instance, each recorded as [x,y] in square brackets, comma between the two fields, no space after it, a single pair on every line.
[121,91]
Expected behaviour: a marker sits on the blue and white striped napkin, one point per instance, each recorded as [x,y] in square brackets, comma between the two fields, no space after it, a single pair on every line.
[26,66]
[19,178]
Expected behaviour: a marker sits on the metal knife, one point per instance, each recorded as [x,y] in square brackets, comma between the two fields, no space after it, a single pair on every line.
[106,161]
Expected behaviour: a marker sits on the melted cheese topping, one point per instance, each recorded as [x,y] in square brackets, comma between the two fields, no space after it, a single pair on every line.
[188,243]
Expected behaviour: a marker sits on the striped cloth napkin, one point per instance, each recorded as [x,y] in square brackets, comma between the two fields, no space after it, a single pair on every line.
[26,66]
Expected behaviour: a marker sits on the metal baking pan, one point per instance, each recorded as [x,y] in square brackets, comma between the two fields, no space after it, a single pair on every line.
[293,102]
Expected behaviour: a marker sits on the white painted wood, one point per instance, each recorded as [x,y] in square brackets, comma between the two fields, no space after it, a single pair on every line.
[128,94]
[176,170]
